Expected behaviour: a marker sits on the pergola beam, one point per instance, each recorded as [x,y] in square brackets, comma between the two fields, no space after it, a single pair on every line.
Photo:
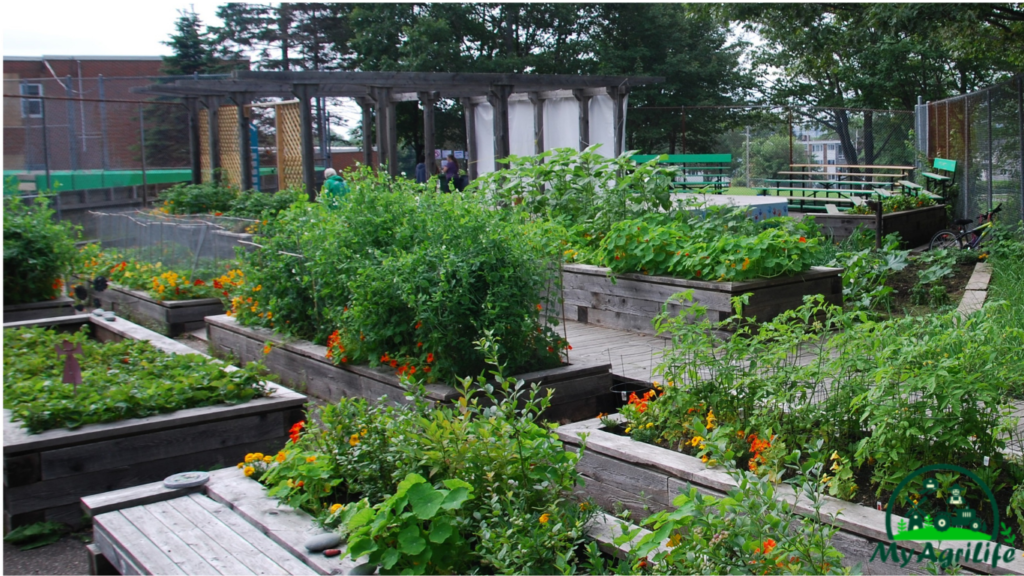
[303,93]
[428,99]
[241,100]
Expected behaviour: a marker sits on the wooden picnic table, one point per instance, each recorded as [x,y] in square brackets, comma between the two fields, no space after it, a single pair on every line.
[858,166]
[842,174]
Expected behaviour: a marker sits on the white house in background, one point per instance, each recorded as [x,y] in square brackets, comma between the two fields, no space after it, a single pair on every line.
[825,152]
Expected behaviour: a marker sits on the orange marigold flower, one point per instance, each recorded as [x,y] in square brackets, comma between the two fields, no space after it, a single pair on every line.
[802,239]
[430,357]
[544,518]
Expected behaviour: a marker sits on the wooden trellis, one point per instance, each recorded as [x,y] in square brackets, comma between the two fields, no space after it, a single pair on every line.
[289,145]
[204,146]
[230,155]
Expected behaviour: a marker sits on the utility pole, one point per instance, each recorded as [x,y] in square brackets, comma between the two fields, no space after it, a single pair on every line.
[746,160]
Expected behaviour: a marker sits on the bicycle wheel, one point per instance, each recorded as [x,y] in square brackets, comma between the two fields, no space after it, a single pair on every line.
[944,239]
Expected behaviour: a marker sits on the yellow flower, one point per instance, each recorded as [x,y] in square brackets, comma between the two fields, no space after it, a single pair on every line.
[291,483]
[248,470]
[257,456]
[335,508]
[354,439]
[674,540]
[835,455]
[268,459]
[241,465]
[281,456]
[249,458]
[628,429]
[650,424]
[363,432]
[696,440]
[704,458]
[258,288]
[310,459]
[544,518]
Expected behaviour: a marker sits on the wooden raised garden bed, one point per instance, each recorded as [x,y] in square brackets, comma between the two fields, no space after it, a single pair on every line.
[45,474]
[60,306]
[916,227]
[633,300]
[168,317]
[580,391]
[152,530]
[646,478]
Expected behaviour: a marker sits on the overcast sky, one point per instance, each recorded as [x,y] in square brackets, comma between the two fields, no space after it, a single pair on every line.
[94,27]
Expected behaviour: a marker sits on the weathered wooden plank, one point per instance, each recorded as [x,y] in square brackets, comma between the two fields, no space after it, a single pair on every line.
[288,527]
[132,545]
[254,550]
[640,481]
[17,440]
[58,307]
[134,496]
[69,489]
[120,561]
[141,448]
[168,541]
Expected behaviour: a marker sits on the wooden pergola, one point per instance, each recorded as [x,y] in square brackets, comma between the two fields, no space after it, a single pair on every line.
[378,92]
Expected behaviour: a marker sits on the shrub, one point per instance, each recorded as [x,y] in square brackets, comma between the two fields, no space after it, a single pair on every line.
[38,252]
[388,277]
[257,205]
[197,199]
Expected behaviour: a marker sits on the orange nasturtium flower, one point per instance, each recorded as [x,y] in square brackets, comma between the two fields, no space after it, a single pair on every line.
[544,518]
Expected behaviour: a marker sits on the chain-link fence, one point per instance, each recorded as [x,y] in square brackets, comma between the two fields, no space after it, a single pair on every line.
[200,244]
[764,140]
[983,133]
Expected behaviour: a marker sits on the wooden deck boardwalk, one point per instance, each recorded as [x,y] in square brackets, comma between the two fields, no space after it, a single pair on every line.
[631,355]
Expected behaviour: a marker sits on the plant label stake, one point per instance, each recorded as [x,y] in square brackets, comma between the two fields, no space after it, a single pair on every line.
[72,370]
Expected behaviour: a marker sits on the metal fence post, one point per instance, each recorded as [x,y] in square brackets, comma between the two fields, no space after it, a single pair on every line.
[991,174]
[103,123]
[1020,140]
[46,146]
[142,146]
[72,150]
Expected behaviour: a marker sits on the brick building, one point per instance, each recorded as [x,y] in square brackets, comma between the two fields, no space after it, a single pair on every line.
[81,134]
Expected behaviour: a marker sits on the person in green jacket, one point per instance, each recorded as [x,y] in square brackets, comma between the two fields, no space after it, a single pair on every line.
[335,188]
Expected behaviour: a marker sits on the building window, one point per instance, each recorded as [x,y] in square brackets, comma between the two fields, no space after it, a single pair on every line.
[831,147]
[31,107]
[831,162]
[817,147]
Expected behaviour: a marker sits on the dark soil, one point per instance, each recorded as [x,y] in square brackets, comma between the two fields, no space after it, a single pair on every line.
[903,281]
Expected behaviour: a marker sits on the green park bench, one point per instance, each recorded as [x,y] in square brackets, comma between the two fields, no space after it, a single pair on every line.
[710,170]
[945,170]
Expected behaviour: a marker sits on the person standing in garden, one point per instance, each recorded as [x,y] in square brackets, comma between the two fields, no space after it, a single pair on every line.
[335,187]
[421,170]
[451,172]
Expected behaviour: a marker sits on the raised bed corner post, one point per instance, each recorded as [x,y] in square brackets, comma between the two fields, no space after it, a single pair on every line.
[498,98]
[304,92]
[242,101]
[194,151]
[584,103]
[876,205]
[428,99]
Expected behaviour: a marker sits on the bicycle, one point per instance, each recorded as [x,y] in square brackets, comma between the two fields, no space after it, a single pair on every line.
[956,238]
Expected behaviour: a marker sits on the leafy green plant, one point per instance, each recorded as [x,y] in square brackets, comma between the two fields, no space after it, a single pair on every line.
[481,485]
[263,205]
[198,199]
[36,535]
[391,278]
[704,248]
[120,380]
[897,203]
[38,251]
[751,530]
[865,273]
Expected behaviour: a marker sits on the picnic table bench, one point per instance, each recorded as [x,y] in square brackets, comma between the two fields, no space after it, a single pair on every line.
[709,169]
[227,526]
[945,170]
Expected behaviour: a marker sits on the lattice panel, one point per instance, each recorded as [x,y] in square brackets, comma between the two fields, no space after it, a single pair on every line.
[230,155]
[289,146]
[204,145]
